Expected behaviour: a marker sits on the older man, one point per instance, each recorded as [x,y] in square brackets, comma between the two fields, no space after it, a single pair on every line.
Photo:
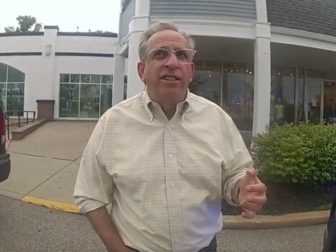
[164,159]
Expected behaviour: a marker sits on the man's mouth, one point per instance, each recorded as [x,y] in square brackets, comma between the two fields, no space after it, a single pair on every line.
[170,77]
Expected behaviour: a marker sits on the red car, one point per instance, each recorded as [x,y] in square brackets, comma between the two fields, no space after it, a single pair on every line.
[4,156]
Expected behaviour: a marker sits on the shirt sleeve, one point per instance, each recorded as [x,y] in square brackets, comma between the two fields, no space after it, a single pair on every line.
[94,186]
[237,160]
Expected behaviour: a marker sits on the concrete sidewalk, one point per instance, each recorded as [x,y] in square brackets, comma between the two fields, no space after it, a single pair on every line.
[45,165]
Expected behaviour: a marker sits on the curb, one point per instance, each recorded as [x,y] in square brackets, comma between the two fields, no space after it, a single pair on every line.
[66,207]
[276,221]
[230,221]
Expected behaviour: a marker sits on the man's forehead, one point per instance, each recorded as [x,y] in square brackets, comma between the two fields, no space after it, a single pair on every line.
[167,37]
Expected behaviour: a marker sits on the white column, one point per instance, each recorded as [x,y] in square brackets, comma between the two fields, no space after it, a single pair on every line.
[262,78]
[48,87]
[261,10]
[142,8]
[134,84]
[118,76]
[139,23]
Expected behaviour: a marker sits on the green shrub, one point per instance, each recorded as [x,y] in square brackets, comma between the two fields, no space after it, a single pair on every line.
[297,154]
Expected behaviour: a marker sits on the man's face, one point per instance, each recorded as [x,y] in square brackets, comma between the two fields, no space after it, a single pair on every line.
[167,73]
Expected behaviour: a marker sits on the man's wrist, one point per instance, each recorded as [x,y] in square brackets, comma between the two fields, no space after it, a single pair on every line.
[236,191]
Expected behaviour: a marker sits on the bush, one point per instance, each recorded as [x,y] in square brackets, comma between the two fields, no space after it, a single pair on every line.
[301,154]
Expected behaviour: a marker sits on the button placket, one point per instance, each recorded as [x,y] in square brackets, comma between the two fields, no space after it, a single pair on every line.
[172,189]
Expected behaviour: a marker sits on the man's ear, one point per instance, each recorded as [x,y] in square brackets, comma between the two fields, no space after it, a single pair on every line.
[141,70]
[192,65]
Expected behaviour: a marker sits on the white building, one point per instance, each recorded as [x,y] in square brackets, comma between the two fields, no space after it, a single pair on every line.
[71,71]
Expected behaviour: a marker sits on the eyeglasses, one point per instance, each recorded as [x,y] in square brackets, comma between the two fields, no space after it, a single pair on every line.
[183,55]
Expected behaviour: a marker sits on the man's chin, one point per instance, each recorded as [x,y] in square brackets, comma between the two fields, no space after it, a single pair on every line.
[175,95]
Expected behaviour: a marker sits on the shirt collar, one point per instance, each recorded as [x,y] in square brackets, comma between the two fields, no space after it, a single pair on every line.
[182,107]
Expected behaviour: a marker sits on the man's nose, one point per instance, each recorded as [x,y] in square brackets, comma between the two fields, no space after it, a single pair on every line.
[172,59]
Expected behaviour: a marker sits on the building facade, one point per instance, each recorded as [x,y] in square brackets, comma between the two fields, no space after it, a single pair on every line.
[261,61]
[72,71]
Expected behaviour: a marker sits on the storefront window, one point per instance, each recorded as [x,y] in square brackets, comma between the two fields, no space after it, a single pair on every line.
[238,95]
[298,95]
[69,100]
[89,101]
[282,95]
[84,95]
[74,78]
[105,98]
[207,82]
[3,73]
[11,89]
[15,95]
[228,85]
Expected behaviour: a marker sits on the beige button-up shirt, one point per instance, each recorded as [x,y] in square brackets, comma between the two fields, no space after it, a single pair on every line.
[165,179]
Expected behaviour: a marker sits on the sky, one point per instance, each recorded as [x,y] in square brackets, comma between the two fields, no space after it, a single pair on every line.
[68,15]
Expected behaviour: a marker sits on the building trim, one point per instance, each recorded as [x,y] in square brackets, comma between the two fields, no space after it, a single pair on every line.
[107,55]
[303,34]
[89,34]
[244,29]
[21,54]
[13,34]
[303,38]
[51,27]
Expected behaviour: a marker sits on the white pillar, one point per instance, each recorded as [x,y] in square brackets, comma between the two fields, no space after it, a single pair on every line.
[262,78]
[142,8]
[134,84]
[48,87]
[139,23]
[261,10]
[118,76]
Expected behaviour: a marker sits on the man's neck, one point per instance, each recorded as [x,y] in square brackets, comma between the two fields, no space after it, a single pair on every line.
[168,109]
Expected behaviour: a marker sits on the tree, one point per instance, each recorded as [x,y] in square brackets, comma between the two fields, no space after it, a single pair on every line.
[25,24]
[9,29]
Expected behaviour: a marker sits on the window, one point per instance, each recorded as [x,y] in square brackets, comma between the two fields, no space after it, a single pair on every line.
[84,95]
[230,86]
[11,89]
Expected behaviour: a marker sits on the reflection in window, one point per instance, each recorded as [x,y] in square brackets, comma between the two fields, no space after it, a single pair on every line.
[107,79]
[89,101]
[238,98]
[228,85]
[84,95]
[15,75]
[296,95]
[74,78]
[105,98]
[3,73]
[69,100]
[11,89]
[65,78]
[207,82]
[85,78]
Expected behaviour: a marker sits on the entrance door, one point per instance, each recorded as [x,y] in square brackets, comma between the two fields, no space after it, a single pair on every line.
[329,110]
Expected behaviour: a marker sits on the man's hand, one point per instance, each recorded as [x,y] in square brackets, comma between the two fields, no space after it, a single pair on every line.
[252,194]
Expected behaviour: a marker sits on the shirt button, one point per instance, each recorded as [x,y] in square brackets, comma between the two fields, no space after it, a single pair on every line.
[170,156]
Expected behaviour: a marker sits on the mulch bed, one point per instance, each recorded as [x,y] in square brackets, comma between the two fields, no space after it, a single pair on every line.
[283,199]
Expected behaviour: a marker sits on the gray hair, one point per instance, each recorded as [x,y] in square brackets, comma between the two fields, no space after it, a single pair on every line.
[157,27]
